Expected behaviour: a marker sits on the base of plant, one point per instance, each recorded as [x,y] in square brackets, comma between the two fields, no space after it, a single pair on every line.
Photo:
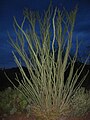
[24,116]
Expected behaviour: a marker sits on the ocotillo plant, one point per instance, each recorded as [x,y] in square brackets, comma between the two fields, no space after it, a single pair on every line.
[47,90]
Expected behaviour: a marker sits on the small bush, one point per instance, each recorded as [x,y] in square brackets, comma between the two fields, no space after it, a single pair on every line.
[12,101]
[81,102]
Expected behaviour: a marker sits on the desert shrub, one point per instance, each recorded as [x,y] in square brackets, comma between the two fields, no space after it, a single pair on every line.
[81,102]
[47,90]
[12,101]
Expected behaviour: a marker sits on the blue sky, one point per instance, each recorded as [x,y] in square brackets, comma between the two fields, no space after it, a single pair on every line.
[10,8]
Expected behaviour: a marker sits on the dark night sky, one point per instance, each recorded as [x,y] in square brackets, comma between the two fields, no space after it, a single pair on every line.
[10,8]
